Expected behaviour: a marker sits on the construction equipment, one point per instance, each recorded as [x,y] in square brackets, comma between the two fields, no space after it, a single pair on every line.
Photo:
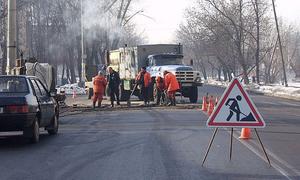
[157,58]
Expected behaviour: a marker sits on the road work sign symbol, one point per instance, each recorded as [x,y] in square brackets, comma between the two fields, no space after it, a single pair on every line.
[235,109]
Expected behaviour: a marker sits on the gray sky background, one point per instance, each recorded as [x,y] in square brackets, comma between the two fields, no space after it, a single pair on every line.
[167,15]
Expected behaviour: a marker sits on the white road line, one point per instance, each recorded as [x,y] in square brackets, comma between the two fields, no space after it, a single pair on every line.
[276,166]
[290,104]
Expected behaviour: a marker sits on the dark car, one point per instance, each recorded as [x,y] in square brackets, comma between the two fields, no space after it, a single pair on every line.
[26,105]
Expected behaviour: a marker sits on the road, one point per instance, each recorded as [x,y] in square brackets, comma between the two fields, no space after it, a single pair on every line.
[157,143]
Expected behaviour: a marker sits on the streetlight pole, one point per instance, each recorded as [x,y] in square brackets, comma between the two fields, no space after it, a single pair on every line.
[82,45]
[11,35]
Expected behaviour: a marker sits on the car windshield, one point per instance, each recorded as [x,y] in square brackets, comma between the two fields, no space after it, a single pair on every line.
[13,85]
[160,61]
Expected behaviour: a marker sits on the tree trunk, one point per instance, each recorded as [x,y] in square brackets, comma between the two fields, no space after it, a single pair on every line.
[71,65]
[79,56]
[257,41]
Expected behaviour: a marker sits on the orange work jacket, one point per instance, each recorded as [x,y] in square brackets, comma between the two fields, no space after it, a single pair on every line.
[147,78]
[171,83]
[159,83]
[99,84]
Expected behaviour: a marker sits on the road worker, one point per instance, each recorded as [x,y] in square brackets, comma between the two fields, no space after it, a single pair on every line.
[143,79]
[114,81]
[171,85]
[159,90]
[99,85]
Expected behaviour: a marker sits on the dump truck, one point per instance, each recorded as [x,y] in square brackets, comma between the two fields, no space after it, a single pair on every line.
[157,58]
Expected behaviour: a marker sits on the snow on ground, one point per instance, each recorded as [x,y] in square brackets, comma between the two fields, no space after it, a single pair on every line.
[291,92]
[70,88]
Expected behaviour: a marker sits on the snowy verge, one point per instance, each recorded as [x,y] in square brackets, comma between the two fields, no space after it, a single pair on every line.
[291,92]
[70,89]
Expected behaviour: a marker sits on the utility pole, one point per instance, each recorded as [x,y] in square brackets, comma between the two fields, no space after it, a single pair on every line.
[83,56]
[280,45]
[11,35]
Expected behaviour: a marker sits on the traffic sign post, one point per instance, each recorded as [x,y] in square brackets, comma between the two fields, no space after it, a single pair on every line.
[235,109]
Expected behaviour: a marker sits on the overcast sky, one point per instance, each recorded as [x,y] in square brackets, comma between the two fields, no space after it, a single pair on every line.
[167,15]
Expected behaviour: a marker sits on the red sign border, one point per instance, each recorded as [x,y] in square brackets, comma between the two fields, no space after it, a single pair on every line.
[260,122]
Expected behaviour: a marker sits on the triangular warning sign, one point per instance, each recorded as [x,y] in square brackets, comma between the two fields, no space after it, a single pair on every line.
[235,109]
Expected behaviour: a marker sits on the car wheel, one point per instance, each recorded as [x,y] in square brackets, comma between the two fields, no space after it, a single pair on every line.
[54,126]
[35,131]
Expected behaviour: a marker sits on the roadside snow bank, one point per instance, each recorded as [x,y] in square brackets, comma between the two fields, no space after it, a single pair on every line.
[291,92]
[70,88]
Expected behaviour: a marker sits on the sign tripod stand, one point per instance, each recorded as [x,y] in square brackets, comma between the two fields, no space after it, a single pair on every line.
[235,102]
[231,138]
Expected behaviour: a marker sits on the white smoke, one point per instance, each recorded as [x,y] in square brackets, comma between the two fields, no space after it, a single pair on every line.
[98,20]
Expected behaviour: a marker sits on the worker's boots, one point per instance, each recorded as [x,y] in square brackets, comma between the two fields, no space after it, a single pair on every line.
[174,102]
[94,104]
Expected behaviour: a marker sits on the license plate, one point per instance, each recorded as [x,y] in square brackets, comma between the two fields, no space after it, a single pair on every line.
[187,84]
[1,110]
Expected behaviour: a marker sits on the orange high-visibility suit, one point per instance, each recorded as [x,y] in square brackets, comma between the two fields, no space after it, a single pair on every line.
[172,85]
[171,82]
[146,80]
[99,85]
[160,83]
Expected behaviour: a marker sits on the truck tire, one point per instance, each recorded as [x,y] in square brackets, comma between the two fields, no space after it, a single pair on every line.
[125,94]
[193,95]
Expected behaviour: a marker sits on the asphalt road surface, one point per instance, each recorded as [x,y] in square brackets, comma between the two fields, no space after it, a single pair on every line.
[157,143]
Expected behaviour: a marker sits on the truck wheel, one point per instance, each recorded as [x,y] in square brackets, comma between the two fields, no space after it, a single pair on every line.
[125,94]
[193,95]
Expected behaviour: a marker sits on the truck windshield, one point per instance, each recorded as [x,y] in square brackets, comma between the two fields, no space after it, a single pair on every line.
[160,61]
[13,85]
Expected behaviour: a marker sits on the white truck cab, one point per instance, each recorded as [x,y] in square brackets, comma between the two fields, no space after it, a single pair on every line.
[188,79]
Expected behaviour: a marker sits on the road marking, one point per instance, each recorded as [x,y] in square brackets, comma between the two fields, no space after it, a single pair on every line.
[290,104]
[275,165]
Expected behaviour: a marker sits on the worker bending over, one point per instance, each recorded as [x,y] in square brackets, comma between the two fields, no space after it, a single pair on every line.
[160,88]
[171,85]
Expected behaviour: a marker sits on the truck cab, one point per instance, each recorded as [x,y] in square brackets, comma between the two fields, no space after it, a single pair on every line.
[188,79]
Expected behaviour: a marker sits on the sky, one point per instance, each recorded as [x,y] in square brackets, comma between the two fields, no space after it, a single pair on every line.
[166,15]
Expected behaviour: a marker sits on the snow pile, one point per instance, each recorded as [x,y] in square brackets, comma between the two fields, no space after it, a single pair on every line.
[281,91]
[293,91]
[70,88]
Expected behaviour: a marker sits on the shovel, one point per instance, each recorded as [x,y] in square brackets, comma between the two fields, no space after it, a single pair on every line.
[128,101]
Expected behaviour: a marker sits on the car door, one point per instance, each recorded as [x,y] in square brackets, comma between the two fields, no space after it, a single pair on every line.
[48,102]
[42,103]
